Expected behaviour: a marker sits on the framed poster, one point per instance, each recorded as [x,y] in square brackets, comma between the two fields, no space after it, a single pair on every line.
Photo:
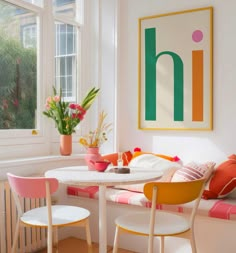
[175,70]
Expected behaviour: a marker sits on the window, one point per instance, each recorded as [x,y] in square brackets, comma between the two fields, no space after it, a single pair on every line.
[19,40]
[65,56]
[34,41]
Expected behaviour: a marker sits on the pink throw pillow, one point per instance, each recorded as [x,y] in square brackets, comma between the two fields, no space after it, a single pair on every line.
[193,171]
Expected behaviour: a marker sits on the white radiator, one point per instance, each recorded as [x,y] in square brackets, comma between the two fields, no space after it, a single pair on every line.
[30,239]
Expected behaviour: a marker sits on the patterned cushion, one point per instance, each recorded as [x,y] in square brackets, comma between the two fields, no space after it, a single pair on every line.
[193,171]
[222,209]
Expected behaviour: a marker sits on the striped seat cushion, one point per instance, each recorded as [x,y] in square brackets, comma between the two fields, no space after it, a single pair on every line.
[222,209]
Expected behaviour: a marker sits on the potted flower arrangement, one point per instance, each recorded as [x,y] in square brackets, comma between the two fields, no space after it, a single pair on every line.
[93,140]
[67,115]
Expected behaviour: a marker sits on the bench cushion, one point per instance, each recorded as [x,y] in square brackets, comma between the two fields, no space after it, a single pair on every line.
[222,209]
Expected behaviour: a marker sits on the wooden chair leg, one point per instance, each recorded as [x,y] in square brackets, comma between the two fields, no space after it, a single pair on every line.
[150,244]
[16,234]
[55,239]
[49,241]
[88,237]
[115,244]
[162,244]
[193,242]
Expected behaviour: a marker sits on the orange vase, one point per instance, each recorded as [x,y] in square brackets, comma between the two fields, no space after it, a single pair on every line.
[66,144]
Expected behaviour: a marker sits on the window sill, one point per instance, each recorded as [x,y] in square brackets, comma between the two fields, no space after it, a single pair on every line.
[23,161]
[38,165]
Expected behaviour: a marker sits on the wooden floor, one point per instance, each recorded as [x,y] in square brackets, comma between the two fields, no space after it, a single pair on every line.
[71,245]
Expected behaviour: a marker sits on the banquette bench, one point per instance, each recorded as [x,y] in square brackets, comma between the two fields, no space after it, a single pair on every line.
[215,222]
[214,208]
[215,226]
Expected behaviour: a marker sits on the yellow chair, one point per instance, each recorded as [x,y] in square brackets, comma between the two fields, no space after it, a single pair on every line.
[154,222]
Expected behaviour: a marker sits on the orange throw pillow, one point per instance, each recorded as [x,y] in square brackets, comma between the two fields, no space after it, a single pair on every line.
[223,181]
[126,156]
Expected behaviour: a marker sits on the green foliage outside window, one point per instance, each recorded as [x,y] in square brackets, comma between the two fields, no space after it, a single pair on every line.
[18,84]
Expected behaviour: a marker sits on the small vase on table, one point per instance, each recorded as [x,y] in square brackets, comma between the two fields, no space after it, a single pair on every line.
[92,155]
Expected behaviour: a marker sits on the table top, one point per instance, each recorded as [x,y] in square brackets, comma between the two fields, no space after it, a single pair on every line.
[80,175]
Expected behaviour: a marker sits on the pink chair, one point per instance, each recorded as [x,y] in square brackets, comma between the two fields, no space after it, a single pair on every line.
[49,216]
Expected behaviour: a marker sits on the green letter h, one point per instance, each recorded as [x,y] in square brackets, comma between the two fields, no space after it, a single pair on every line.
[150,78]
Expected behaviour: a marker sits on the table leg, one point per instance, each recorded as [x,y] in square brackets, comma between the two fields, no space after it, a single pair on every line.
[102,220]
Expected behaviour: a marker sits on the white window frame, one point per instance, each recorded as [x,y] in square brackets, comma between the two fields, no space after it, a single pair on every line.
[19,141]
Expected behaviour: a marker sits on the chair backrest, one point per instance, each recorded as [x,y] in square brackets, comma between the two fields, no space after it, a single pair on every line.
[37,188]
[31,187]
[174,193]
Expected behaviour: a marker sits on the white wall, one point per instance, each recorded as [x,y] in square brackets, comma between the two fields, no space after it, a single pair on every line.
[107,66]
[222,137]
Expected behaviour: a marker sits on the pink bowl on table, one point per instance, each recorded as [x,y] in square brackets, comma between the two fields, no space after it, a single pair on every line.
[100,166]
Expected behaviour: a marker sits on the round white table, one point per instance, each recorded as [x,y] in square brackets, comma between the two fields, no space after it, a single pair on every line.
[80,175]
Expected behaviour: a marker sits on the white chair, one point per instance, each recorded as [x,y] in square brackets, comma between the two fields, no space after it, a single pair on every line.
[49,216]
[154,222]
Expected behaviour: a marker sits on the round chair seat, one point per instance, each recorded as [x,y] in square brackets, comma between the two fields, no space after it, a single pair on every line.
[165,223]
[61,215]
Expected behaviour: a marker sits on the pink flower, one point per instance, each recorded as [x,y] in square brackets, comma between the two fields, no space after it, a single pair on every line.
[47,106]
[57,99]
[81,116]
[60,110]
[81,109]
[73,106]
[77,116]
[15,102]
[49,100]
[74,116]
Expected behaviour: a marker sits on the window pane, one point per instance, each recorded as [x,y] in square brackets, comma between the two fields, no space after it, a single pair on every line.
[36,2]
[18,67]
[29,36]
[69,65]
[70,39]
[65,7]
[62,66]
[65,60]
[62,40]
